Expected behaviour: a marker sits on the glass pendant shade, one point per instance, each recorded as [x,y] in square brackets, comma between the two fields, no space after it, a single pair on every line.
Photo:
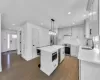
[52,33]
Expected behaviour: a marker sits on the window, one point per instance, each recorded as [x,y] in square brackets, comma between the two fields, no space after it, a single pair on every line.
[14,36]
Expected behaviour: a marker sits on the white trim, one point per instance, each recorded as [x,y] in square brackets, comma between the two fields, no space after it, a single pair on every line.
[0,46]
[28,59]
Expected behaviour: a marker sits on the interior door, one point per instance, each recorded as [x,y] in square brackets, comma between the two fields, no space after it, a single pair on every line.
[35,40]
[35,37]
[13,41]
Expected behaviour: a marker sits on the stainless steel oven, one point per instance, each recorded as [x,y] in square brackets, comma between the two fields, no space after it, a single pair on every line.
[67,49]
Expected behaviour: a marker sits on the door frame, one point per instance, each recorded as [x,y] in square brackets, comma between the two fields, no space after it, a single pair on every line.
[0,46]
[19,42]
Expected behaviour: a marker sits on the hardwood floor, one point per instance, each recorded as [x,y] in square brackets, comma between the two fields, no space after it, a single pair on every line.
[19,69]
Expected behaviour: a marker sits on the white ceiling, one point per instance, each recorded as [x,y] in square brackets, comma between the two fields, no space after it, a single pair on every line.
[41,11]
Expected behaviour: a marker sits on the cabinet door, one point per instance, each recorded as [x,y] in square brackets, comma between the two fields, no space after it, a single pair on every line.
[62,54]
[94,28]
[74,51]
[75,33]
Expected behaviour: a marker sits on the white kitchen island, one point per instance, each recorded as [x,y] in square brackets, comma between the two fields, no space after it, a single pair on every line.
[49,58]
[89,64]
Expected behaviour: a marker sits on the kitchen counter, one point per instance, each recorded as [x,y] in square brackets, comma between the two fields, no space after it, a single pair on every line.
[89,55]
[51,48]
[51,57]
[89,64]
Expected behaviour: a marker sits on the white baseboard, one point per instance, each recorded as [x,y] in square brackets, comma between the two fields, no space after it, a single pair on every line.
[29,58]
[25,58]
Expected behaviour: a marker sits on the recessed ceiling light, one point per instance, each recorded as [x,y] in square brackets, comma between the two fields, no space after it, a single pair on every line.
[84,15]
[41,23]
[69,12]
[13,24]
[73,23]
[90,14]
[94,12]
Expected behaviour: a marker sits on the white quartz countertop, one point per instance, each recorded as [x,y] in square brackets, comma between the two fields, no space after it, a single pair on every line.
[89,55]
[51,48]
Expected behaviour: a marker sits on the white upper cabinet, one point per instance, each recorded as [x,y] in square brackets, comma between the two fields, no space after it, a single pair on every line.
[92,27]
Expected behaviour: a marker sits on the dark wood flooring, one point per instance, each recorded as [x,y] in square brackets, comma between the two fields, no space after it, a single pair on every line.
[15,68]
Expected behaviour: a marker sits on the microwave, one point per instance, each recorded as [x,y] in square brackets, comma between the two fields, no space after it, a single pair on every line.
[54,56]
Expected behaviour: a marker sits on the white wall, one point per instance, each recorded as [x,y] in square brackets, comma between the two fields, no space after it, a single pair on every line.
[23,40]
[43,39]
[4,40]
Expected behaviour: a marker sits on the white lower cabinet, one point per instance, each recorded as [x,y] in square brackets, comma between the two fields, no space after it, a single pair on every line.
[89,70]
[74,50]
[50,58]
[62,54]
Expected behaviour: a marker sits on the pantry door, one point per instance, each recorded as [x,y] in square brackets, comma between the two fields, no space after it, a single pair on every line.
[35,37]
[35,41]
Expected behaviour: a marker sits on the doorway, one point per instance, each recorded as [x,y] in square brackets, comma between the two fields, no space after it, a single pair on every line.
[9,47]
[11,42]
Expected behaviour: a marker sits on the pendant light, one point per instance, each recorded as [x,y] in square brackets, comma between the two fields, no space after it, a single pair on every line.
[52,32]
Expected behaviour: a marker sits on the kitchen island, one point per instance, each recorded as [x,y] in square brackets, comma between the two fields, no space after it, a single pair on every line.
[51,57]
[89,64]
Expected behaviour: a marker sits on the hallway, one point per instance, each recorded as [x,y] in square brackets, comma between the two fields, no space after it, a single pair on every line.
[19,69]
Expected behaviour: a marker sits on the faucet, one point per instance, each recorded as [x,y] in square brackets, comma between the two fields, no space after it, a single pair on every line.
[91,43]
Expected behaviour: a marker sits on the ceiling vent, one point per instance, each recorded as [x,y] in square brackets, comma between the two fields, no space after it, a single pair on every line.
[89,5]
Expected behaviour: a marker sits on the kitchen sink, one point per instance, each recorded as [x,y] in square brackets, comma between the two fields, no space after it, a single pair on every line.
[87,48]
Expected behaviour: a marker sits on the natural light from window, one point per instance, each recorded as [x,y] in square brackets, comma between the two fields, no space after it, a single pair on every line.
[14,36]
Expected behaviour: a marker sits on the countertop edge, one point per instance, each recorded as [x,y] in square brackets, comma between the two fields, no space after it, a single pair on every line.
[95,62]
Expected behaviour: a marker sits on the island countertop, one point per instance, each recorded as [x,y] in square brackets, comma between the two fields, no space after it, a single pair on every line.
[50,58]
[51,48]
[89,55]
